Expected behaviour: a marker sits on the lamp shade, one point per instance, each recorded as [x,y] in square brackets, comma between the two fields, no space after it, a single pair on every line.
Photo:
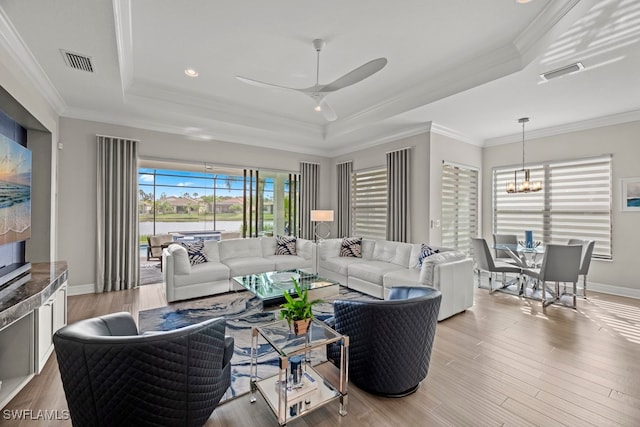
[322,216]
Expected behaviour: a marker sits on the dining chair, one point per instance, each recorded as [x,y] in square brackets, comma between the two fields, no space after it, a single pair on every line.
[485,261]
[561,263]
[504,239]
[585,260]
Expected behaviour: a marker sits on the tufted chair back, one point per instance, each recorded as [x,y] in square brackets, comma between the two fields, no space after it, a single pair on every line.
[112,376]
[390,341]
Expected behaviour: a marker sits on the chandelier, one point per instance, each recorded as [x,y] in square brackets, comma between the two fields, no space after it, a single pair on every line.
[524,185]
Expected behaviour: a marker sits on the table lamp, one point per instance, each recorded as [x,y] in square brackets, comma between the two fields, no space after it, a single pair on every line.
[321,218]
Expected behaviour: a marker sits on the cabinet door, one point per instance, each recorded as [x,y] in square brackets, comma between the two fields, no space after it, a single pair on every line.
[44,325]
[60,309]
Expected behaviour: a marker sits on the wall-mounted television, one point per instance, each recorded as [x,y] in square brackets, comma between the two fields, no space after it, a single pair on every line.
[15,191]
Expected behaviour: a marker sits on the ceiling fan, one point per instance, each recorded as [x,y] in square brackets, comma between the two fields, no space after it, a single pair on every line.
[318,92]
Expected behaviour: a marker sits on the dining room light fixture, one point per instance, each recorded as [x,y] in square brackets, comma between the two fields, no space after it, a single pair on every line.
[525,185]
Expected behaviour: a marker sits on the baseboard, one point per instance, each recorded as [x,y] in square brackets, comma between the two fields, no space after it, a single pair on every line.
[613,290]
[89,288]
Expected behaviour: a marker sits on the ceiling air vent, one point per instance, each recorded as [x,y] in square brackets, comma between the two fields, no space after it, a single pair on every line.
[77,61]
[562,71]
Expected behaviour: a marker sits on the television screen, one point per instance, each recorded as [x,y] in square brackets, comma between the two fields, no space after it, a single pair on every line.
[15,191]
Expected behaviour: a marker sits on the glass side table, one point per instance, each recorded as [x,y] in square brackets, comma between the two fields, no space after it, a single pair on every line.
[289,402]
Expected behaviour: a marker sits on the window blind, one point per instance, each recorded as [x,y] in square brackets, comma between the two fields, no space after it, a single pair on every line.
[575,202]
[459,206]
[369,203]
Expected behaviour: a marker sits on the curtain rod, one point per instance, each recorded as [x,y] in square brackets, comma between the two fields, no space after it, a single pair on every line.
[346,161]
[118,137]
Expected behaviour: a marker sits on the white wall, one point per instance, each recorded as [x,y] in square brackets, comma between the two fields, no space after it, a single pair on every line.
[375,157]
[78,181]
[446,149]
[619,275]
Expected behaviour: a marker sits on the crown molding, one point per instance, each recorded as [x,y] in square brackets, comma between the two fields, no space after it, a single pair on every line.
[11,41]
[454,134]
[223,133]
[616,119]
[383,138]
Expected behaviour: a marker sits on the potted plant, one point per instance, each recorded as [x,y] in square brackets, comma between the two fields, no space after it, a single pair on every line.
[297,311]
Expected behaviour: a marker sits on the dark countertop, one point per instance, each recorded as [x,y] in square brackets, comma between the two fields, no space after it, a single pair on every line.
[18,300]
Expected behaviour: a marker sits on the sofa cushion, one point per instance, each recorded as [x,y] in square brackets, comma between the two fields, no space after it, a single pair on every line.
[425,251]
[212,249]
[305,248]
[240,248]
[285,245]
[248,265]
[203,273]
[430,263]
[289,262]
[371,271]
[339,264]
[195,252]
[393,252]
[351,247]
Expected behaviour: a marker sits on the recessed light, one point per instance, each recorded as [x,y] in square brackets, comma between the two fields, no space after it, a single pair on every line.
[191,72]
[523,1]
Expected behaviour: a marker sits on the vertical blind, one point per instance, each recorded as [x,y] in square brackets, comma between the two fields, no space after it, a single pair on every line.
[575,202]
[459,206]
[369,204]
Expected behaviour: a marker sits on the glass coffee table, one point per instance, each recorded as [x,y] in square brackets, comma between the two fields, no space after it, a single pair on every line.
[287,398]
[270,286]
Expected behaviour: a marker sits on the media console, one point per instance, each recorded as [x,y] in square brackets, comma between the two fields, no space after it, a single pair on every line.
[31,310]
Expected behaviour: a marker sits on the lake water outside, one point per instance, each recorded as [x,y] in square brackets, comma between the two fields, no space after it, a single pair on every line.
[146,228]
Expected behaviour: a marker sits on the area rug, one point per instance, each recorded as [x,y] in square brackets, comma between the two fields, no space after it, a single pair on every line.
[242,311]
[150,272]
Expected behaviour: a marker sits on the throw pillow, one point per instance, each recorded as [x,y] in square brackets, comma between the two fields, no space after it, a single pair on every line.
[425,251]
[196,252]
[351,247]
[285,245]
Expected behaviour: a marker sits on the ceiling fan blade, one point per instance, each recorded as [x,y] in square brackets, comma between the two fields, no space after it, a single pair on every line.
[327,111]
[359,74]
[263,84]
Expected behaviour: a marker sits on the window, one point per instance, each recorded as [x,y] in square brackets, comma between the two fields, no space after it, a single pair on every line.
[197,197]
[369,204]
[459,206]
[575,202]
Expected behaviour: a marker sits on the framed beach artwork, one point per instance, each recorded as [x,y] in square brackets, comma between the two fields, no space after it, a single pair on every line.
[630,194]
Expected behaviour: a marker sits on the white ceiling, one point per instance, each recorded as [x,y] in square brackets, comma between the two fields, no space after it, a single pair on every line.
[459,67]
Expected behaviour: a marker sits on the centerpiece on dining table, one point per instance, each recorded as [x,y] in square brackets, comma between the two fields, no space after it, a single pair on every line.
[298,311]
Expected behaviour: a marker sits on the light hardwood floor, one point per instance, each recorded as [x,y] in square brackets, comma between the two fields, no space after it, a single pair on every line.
[503,362]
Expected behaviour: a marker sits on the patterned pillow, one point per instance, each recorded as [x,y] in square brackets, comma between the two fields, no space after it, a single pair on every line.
[285,245]
[196,252]
[351,247]
[425,251]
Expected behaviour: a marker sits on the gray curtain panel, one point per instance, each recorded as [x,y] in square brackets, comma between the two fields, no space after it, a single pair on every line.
[309,176]
[118,252]
[398,180]
[343,216]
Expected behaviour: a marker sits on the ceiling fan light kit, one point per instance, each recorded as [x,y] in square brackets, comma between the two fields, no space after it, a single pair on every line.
[318,92]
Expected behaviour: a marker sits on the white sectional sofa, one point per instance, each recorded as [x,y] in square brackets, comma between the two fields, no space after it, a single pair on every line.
[227,259]
[385,264]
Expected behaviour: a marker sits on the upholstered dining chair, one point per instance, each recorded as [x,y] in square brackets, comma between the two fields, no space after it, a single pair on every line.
[485,262]
[113,376]
[585,260]
[390,341]
[504,239]
[561,263]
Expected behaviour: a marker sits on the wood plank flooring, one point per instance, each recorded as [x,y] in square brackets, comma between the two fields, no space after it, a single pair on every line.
[505,362]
